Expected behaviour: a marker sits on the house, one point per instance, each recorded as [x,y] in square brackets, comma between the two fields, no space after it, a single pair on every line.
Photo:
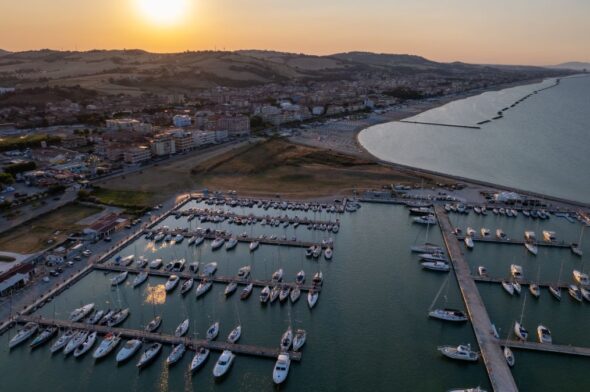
[15,270]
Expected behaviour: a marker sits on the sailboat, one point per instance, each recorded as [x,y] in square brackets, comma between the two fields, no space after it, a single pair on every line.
[427,247]
[519,330]
[556,290]
[534,288]
[577,247]
[445,313]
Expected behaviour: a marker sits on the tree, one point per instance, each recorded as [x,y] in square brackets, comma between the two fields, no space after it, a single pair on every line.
[16,168]
[6,178]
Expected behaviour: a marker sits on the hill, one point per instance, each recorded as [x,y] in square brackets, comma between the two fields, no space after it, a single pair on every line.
[575,65]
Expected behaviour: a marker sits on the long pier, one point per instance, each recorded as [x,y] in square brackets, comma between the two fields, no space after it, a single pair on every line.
[214,279]
[524,282]
[491,240]
[244,349]
[439,124]
[496,366]
[550,348]
[200,212]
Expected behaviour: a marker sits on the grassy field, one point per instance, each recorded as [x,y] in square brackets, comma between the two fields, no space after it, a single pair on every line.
[122,198]
[33,236]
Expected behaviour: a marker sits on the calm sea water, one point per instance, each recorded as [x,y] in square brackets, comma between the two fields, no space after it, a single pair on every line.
[539,145]
[369,331]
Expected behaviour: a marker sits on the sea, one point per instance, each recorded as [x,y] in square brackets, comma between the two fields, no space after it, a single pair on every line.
[533,137]
[368,332]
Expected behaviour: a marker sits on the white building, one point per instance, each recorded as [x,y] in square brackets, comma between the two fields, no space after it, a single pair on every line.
[181,121]
[202,138]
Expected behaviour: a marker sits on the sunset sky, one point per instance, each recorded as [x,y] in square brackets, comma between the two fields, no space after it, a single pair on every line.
[500,31]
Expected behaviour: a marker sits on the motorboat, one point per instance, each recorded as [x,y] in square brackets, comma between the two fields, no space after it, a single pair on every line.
[86,345]
[193,267]
[217,243]
[318,278]
[182,328]
[426,248]
[63,339]
[549,236]
[448,315]
[128,350]
[535,290]
[581,278]
[295,294]
[532,248]
[140,278]
[300,278]
[156,264]
[281,369]
[235,334]
[436,266]
[231,243]
[175,355]
[43,337]
[470,232]
[328,253]
[107,345]
[187,285]
[287,340]
[433,257]
[75,341]
[544,334]
[277,276]
[213,331]
[210,269]
[119,278]
[484,232]
[461,352]
[299,339]
[501,235]
[149,355]
[312,298]
[482,271]
[230,288]
[118,317]
[530,236]
[576,249]
[204,286]
[575,292]
[425,220]
[468,242]
[516,271]
[153,325]
[265,294]
[517,287]
[223,363]
[199,359]
[244,272]
[508,287]
[177,265]
[172,282]
[79,313]
[509,356]
[246,291]
[254,245]
[520,331]
[556,291]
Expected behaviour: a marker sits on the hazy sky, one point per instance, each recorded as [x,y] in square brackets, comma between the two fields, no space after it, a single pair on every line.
[498,31]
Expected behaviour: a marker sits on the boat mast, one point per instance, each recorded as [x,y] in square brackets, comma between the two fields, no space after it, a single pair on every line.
[439,292]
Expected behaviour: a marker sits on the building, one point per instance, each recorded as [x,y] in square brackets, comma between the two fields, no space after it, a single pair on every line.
[181,121]
[15,271]
[128,124]
[183,140]
[135,155]
[203,138]
[73,141]
[163,144]
[104,226]
[237,125]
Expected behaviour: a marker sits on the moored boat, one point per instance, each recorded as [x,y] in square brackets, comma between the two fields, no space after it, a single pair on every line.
[281,369]
[246,291]
[140,278]
[199,359]
[79,313]
[176,354]
[107,345]
[86,345]
[149,355]
[213,331]
[544,334]
[223,364]
[43,337]
[448,315]
[295,294]
[62,340]
[461,352]
[119,278]
[520,331]
[171,283]
[128,350]
[509,356]
[299,339]
[287,340]
[182,328]
[312,298]
[187,285]
[154,324]
[235,334]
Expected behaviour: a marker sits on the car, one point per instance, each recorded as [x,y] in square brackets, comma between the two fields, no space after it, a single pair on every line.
[59,270]
[107,239]
[69,263]
[78,258]
[53,273]
[46,279]
[87,252]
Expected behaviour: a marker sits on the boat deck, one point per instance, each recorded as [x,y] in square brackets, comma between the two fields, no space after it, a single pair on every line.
[496,366]
[251,350]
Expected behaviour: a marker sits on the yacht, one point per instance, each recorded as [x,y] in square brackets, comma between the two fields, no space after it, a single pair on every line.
[119,278]
[265,295]
[516,271]
[140,278]
[199,359]
[328,253]
[281,369]
[178,265]
[433,257]
[426,248]
[509,356]
[232,243]
[62,340]
[213,331]
[193,267]
[425,220]
[576,249]
[223,364]
[187,285]
[277,276]
[575,292]
[508,287]
[469,242]
[126,261]
[470,232]
[230,288]
[85,345]
[217,243]
[199,240]
[235,334]
[460,352]
[312,298]
[318,278]
[520,331]
[159,237]
[535,290]
[484,232]
[254,245]
[246,291]
[107,345]
[118,317]
[448,315]
[153,325]
[287,340]
[439,266]
[176,354]
[501,235]
[128,350]
[482,271]
[531,248]
[549,236]
[149,355]
[544,335]
[299,339]
[420,211]
[556,291]
[517,287]
[295,294]
[75,341]
[529,236]
[182,328]
[80,313]
[156,264]
[203,287]
[141,262]
[317,251]
[300,278]
[244,272]
[43,337]
[581,278]
[172,282]
[210,269]
[309,251]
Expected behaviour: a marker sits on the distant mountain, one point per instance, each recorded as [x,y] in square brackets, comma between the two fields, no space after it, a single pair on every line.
[3,52]
[575,65]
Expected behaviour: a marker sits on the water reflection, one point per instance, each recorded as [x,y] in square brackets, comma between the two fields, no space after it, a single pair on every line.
[155,295]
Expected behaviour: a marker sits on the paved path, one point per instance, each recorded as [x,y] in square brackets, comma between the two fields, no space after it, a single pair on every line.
[491,352]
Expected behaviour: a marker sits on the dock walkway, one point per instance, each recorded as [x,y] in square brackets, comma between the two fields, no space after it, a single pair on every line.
[496,366]
[490,240]
[244,349]
[523,282]
[550,348]
[258,218]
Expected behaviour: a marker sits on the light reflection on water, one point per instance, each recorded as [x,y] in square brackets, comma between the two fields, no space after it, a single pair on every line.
[155,295]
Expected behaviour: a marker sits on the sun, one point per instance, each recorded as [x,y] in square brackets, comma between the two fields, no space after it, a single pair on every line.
[163,12]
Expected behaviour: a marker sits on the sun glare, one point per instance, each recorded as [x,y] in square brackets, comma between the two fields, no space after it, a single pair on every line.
[163,12]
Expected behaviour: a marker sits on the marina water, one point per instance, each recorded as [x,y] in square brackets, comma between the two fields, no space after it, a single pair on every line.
[538,145]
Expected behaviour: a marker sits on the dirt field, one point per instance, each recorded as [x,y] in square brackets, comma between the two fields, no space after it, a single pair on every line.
[33,236]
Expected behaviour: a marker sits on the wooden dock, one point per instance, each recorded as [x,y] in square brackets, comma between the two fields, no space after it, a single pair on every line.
[214,279]
[198,212]
[258,351]
[549,348]
[491,240]
[523,282]
[491,352]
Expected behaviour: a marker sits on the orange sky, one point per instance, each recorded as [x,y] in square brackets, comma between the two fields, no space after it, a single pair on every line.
[500,31]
